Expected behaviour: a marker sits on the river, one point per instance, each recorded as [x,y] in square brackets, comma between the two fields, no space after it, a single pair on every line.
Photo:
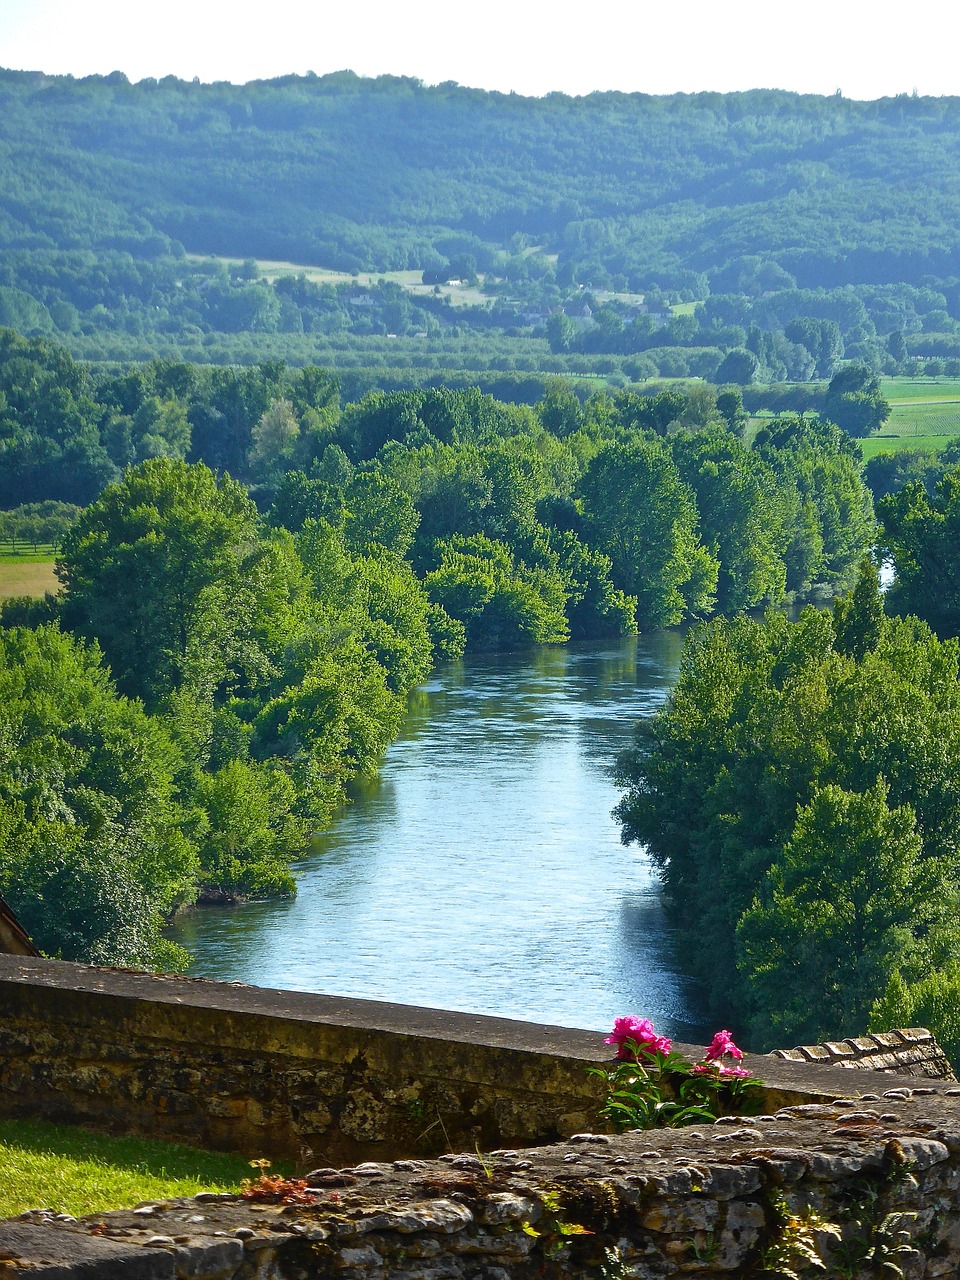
[482,871]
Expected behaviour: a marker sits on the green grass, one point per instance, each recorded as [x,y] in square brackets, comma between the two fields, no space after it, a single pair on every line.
[931,419]
[917,390]
[873,445]
[52,1166]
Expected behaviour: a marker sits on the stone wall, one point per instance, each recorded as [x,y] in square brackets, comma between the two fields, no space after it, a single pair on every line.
[281,1074]
[299,1077]
[866,1177]
[870,1184]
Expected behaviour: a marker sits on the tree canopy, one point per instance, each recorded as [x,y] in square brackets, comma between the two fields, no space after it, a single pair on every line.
[800,793]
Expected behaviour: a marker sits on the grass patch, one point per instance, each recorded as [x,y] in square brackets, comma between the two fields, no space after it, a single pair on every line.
[873,445]
[27,576]
[52,1166]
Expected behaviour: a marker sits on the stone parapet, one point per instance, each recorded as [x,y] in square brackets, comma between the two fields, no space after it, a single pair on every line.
[300,1077]
[283,1074]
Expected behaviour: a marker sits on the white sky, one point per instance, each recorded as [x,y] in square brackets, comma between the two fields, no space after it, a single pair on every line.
[866,48]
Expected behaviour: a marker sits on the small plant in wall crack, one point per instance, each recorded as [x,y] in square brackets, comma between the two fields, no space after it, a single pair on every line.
[554,1234]
[275,1188]
[707,1250]
[794,1248]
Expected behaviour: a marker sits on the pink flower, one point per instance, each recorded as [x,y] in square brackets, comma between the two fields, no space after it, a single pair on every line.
[718,1069]
[721,1045]
[641,1032]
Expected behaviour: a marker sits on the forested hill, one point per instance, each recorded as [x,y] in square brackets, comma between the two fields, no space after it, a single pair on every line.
[731,191]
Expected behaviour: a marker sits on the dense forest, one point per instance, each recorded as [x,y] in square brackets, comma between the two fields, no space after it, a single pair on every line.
[255,573]
[805,228]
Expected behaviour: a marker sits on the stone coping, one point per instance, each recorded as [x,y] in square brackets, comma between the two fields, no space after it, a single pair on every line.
[131,986]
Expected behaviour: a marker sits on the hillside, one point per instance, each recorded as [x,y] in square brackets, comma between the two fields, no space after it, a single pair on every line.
[390,174]
[104,185]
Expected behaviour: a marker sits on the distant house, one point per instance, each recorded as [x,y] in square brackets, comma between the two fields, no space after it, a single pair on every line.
[13,937]
[581,313]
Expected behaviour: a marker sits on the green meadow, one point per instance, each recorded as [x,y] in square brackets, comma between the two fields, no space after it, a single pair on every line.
[924,414]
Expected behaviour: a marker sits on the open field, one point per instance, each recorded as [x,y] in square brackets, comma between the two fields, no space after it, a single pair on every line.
[73,1171]
[925,414]
[27,575]
[930,418]
[459,295]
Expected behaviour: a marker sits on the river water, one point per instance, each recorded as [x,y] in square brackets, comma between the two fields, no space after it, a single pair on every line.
[483,871]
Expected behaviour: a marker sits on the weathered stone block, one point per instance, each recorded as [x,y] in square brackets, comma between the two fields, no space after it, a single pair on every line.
[672,1215]
[28,1250]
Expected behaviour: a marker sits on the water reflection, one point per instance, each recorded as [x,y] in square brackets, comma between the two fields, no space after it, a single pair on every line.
[483,870]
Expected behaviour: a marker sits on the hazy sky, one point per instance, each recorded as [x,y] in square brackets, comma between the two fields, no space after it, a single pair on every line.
[865,48]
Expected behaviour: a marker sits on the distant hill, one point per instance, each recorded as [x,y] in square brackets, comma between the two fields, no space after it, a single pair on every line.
[389,174]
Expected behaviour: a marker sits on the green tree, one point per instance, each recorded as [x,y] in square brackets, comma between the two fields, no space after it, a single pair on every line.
[378,512]
[822,339]
[922,535]
[855,402]
[858,618]
[96,847]
[594,606]
[560,412]
[846,902]
[501,601]
[738,365]
[766,715]
[251,829]
[156,571]
[741,516]
[931,999]
[828,511]
[731,410]
[160,429]
[637,412]
[641,514]
[273,440]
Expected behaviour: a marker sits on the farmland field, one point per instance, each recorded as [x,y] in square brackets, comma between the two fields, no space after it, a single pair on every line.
[932,418]
[925,414]
[459,294]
